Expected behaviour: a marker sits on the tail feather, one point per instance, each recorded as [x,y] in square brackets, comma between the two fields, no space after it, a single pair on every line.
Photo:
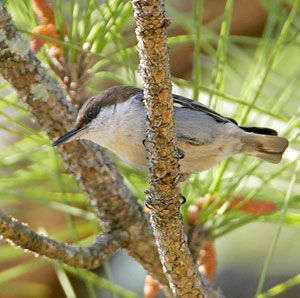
[260,130]
[266,147]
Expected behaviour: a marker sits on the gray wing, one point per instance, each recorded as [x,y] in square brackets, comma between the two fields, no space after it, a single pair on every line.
[184,102]
[188,103]
[197,106]
[196,123]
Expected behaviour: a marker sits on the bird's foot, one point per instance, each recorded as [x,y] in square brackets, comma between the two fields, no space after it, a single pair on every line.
[144,142]
[147,203]
[180,153]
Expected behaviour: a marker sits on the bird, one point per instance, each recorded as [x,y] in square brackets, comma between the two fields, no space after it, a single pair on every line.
[116,119]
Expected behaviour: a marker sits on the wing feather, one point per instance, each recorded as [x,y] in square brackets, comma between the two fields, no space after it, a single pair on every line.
[197,106]
[184,102]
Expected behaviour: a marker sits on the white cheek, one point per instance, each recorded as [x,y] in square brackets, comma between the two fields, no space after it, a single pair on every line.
[103,128]
[103,120]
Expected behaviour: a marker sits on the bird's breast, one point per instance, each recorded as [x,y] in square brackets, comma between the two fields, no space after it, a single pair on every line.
[129,148]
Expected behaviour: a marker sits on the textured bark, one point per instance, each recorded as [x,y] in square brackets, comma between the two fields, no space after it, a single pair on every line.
[81,257]
[114,205]
[121,217]
[164,193]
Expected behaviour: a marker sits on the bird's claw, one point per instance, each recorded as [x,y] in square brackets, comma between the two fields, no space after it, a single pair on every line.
[144,142]
[182,199]
[180,153]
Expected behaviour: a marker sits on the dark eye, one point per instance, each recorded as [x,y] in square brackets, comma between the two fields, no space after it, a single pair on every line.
[91,114]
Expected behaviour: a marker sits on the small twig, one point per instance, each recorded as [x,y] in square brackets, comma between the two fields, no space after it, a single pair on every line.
[89,257]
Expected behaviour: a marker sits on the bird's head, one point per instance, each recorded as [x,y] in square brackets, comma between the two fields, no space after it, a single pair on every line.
[94,114]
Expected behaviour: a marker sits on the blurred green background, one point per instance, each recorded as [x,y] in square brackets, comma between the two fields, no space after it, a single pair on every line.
[241,58]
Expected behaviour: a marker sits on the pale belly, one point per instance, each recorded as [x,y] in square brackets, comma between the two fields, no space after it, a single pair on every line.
[197,157]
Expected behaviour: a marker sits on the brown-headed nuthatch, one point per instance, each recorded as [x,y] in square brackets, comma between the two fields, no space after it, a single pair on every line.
[115,119]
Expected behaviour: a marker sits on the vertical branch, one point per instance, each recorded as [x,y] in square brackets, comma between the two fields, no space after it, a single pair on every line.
[161,144]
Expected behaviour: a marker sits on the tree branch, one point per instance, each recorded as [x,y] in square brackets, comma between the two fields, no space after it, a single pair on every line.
[82,257]
[164,193]
[115,206]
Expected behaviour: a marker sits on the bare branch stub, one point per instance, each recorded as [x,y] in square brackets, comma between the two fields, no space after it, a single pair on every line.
[164,193]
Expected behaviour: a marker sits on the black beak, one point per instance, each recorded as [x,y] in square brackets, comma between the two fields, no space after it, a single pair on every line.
[66,137]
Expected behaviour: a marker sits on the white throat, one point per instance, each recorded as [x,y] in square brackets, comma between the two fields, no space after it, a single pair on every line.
[121,128]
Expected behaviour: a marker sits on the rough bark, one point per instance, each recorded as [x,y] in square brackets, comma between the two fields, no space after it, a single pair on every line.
[81,257]
[121,217]
[164,193]
[114,204]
